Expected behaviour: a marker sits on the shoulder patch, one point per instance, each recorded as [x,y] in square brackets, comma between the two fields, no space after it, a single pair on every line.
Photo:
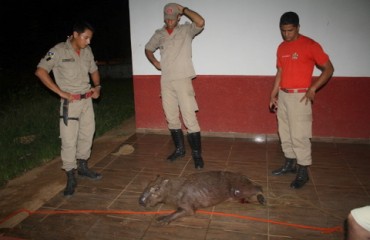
[49,56]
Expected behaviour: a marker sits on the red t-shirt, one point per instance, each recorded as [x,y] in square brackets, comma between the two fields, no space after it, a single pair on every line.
[297,60]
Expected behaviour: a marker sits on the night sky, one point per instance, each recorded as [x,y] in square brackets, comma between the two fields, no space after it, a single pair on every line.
[31,28]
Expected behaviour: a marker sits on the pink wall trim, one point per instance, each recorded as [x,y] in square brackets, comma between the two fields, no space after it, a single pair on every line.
[240,104]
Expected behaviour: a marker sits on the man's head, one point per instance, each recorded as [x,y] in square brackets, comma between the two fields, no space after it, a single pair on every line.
[289,26]
[82,34]
[289,18]
[171,15]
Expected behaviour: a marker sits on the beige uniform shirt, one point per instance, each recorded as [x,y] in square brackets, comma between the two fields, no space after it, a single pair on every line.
[71,71]
[175,50]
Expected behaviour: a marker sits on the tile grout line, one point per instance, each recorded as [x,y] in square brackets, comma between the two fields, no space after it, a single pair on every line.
[124,189]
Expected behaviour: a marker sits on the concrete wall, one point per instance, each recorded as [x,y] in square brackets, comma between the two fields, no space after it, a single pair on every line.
[235,60]
[239,104]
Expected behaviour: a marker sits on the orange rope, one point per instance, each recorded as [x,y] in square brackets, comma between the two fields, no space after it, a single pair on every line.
[321,229]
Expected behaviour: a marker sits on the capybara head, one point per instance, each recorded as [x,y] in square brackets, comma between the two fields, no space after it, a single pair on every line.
[249,192]
[154,193]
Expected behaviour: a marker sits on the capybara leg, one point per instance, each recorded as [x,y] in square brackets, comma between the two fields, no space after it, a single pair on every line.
[180,212]
[261,199]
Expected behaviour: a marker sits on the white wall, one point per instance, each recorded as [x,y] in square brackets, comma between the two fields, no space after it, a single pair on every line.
[241,36]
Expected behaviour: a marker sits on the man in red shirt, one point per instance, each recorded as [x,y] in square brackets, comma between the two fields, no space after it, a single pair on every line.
[293,93]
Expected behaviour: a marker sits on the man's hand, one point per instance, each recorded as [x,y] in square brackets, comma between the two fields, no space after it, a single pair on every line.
[66,95]
[192,15]
[152,59]
[96,92]
[273,104]
[309,96]
[181,9]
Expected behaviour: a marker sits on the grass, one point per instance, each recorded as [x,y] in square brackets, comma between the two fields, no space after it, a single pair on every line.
[29,120]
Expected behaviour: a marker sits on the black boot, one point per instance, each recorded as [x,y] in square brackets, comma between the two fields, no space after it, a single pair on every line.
[196,149]
[178,139]
[288,167]
[84,171]
[301,178]
[71,183]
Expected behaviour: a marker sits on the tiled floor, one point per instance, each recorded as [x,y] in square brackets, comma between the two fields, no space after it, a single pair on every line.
[339,181]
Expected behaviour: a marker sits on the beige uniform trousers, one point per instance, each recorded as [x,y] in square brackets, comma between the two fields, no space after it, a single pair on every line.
[179,96]
[295,127]
[77,137]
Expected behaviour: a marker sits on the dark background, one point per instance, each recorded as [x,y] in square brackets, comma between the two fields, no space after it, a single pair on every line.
[30,28]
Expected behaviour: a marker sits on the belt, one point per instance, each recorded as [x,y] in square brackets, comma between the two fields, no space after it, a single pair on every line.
[294,90]
[82,96]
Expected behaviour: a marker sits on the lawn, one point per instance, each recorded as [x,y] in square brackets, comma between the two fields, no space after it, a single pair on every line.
[29,120]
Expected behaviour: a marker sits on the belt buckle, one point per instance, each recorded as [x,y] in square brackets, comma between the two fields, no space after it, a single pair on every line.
[76,96]
[82,96]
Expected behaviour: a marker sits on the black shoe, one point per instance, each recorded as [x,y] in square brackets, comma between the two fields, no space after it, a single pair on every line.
[71,183]
[84,171]
[288,167]
[301,178]
[178,153]
[178,139]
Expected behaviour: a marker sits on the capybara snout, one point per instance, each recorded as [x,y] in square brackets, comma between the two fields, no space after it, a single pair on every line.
[246,192]
[153,193]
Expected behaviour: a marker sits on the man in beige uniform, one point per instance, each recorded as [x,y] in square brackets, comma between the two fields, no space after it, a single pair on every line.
[174,42]
[71,62]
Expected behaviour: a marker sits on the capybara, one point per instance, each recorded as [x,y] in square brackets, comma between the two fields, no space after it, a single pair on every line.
[198,190]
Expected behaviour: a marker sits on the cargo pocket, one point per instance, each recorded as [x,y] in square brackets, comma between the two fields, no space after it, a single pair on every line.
[304,125]
[193,101]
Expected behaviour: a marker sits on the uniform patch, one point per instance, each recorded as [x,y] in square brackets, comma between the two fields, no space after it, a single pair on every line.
[49,56]
[68,60]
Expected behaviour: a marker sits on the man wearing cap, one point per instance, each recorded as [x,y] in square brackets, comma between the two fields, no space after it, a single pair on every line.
[174,42]
[293,93]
